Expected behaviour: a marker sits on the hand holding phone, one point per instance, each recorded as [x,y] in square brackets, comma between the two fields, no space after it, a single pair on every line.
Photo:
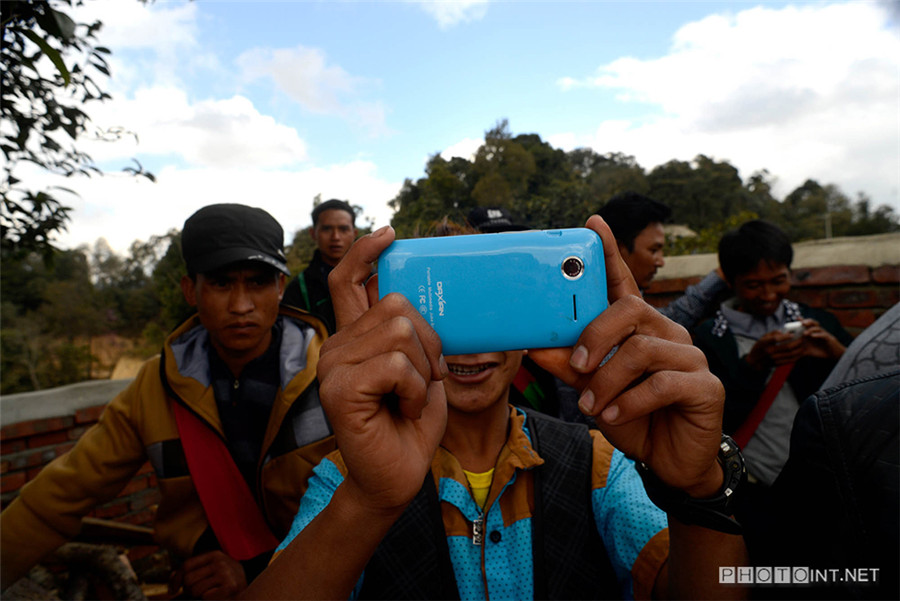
[504,291]
[794,328]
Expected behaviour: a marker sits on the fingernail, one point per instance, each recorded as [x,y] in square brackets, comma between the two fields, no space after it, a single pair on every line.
[445,371]
[586,402]
[379,232]
[579,358]
[610,414]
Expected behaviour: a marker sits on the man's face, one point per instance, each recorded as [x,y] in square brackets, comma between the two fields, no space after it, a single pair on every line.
[478,382]
[238,306]
[761,290]
[334,234]
[647,255]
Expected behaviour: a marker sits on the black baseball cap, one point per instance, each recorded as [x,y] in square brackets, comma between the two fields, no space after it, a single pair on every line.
[220,234]
[493,219]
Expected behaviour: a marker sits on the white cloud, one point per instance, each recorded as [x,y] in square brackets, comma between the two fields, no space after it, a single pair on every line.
[807,92]
[151,42]
[449,13]
[305,75]
[226,133]
[123,209]
[147,26]
[465,148]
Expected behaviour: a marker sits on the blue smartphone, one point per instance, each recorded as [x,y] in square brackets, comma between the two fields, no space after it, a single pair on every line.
[502,291]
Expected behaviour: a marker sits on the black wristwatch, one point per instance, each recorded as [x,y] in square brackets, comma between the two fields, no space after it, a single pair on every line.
[715,512]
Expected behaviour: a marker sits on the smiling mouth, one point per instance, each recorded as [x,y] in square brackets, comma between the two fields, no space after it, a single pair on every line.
[469,370]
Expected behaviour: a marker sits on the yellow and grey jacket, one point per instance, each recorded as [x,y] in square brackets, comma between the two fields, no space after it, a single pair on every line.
[139,425]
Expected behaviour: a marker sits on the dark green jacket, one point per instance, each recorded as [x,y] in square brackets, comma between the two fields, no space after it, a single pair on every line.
[744,385]
[309,291]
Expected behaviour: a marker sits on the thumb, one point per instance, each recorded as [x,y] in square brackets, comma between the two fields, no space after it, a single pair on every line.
[619,281]
[556,361]
[347,281]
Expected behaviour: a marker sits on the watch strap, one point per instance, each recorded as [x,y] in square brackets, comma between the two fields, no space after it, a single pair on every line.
[714,512]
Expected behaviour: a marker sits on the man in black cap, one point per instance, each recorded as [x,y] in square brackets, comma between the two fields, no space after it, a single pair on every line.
[334,231]
[228,416]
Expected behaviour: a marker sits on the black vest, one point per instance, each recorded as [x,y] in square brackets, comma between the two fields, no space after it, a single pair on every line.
[570,561]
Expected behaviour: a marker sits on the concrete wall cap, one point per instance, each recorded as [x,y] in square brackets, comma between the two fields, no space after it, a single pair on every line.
[871,251]
[55,402]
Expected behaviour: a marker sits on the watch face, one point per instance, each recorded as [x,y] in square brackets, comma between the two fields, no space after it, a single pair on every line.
[733,466]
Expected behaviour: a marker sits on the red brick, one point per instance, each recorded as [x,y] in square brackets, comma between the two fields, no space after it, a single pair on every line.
[659,300]
[144,499]
[115,509]
[858,318]
[13,446]
[888,296]
[146,469]
[36,426]
[64,448]
[831,276]
[850,298]
[76,432]
[29,459]
[4,467]
[135,485]
[46,440]
[814,297]
[12,481]
[33,472]
[89,415]
[670,285]
[886,274]
[140,518]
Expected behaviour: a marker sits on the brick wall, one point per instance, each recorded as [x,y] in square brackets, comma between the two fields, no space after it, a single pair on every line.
[26,447]
[856,294]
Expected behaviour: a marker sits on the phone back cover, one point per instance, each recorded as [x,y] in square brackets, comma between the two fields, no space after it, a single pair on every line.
[497,292]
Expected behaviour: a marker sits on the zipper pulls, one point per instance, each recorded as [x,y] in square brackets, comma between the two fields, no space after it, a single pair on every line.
[478,531]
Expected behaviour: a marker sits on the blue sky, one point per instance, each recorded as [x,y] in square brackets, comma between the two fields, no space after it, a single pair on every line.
[271,103]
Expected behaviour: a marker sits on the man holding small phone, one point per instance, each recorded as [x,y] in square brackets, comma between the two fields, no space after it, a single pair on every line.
[769,352]
[486,523]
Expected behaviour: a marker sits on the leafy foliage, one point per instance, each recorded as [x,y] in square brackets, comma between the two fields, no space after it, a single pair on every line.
[52,310]
[545,187]
[50,71]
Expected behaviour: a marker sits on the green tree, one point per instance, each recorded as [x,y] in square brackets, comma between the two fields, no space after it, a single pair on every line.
[700,193]
[51,68]
[811,209]
[544,187]
[758,196]
[166,277]
[125,289]
[46,342]
[504,169]
[300,251]
[607,175]
[446,190]
[707,239]
[867,221]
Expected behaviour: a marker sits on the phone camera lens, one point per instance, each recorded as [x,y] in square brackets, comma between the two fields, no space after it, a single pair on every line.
[572,268]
